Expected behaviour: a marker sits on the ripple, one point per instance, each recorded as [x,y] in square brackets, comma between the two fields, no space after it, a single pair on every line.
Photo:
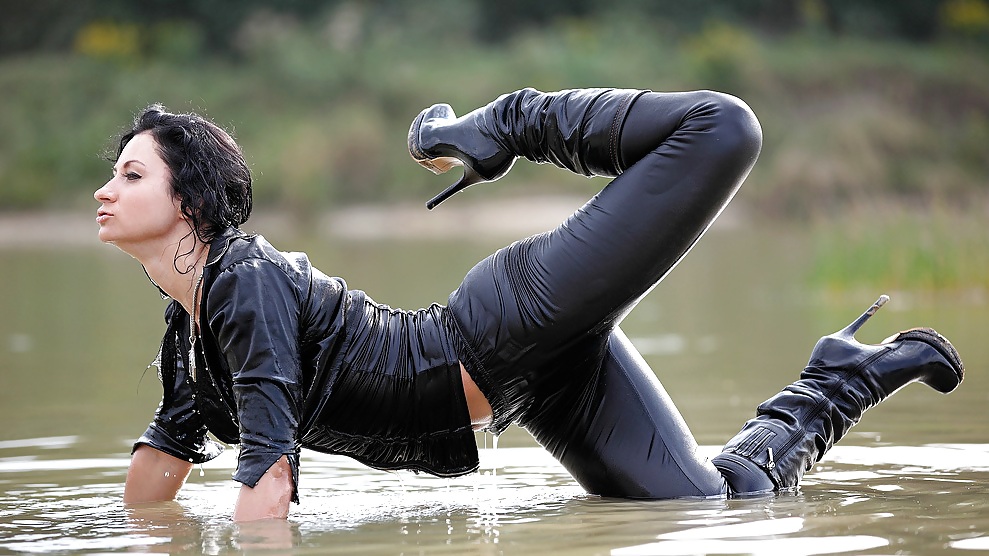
[805,546]
[930,457]
[49,442]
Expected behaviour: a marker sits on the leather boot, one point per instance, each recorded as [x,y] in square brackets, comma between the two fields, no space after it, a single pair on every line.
[793,429]
[575,129]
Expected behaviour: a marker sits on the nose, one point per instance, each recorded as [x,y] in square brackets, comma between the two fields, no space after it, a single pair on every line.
[104,194]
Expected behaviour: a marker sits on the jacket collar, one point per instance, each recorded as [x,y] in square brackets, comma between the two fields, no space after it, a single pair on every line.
[218,247]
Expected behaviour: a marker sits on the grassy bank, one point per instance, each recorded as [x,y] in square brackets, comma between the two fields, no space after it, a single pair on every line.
[324,120]
[876,130]
[934,250]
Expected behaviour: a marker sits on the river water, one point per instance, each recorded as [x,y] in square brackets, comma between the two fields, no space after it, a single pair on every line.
[726,330]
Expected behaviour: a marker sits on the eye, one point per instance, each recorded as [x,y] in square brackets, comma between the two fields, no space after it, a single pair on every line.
[131,176]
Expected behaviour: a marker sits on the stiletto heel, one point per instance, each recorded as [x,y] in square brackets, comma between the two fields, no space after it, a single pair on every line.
[469,178]
[438,141]
[576,129]
[850,330]
[940,381]
[441,164]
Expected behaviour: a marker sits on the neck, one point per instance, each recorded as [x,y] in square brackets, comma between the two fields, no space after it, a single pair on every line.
[178,275]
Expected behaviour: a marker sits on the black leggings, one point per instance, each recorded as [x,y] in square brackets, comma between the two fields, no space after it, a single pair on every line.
[539,318]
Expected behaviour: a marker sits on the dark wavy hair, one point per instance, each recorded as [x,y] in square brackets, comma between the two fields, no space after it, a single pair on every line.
[209,174]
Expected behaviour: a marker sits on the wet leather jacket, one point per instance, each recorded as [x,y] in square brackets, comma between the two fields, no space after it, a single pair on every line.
[288,357]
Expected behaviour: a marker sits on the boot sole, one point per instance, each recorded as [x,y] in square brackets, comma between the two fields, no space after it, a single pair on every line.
[931,337]
[437,165]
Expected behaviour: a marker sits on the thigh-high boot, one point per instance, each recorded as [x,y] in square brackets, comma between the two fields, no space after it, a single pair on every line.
[576,129]
[793,429]
[679,159]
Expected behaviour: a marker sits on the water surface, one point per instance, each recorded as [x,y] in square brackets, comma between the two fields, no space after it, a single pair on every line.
[726,330]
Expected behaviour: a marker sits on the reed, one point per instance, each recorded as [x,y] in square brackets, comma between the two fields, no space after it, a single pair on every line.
[930,249]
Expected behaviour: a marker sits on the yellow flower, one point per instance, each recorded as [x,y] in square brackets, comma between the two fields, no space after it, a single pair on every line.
[966,16]
[103,39]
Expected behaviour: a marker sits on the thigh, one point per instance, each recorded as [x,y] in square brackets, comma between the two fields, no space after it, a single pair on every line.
[545,292]
[531,303]
[620,433]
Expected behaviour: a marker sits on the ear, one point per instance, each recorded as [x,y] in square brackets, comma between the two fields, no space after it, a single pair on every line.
[179,213]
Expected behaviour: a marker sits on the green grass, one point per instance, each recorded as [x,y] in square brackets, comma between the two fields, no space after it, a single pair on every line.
[930,250]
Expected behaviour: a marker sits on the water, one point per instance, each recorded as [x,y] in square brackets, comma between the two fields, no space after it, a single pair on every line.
[865,500]
[730,326]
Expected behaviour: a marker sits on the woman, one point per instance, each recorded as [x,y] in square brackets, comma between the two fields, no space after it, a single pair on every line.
[263,350]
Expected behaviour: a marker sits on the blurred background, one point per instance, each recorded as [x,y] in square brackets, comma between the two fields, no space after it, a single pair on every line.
[863,101]
[874,176]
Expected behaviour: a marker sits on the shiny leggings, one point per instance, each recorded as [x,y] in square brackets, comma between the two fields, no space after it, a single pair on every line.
[539,318]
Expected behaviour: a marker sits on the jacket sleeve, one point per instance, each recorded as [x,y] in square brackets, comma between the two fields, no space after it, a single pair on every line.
[177,429]
[253,309]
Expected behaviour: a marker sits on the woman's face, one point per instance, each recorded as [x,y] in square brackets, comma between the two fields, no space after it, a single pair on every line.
[138,206]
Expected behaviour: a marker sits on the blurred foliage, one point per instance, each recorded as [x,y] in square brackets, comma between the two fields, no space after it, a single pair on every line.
[53,24]
[897,249]
[859,99]
[966,18]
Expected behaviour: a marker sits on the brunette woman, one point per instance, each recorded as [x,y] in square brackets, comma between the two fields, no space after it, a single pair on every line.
[265,351]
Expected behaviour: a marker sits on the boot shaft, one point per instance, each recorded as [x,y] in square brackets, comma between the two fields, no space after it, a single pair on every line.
[795,428]
[577,129]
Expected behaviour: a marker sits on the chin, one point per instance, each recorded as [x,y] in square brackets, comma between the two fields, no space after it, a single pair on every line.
[105,236]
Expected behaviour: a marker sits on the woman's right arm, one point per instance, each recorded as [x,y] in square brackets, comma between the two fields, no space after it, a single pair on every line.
[176,438]
[154,476]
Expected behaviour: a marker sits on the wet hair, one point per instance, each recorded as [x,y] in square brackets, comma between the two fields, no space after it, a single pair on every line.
[209,175]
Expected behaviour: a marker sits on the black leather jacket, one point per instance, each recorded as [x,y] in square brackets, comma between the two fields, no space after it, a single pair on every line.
[289,357]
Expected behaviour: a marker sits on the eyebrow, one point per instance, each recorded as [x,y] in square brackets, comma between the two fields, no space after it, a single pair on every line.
[125,163]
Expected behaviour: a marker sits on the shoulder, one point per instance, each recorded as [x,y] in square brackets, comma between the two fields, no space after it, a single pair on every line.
[243,270]
[251,255]
[241,262]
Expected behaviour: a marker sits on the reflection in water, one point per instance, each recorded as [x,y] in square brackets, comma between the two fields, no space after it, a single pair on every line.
[805,546]
[523,501]
[756,537]
[39,443]
[171,528]
[978,543]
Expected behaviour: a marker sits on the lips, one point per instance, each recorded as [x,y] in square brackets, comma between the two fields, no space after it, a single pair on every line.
[102,216]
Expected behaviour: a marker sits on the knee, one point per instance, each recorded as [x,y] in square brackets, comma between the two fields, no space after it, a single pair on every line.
[739,134]
[743,476]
